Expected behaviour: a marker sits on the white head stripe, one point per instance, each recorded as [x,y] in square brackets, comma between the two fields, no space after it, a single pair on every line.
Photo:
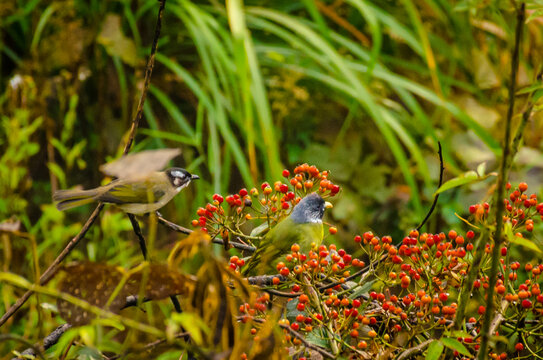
[177,173]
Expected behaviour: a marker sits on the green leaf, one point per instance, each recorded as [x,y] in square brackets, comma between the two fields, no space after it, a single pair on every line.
[364,289]
[468,177]
[481,169]
[530,88]
[193,324]
[110,323]
[434,350]
[512,238]
[59,173]
[317,339]
[454,344]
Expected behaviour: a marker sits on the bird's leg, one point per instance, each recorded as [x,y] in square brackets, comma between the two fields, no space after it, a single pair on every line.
[139,234]
[137,231]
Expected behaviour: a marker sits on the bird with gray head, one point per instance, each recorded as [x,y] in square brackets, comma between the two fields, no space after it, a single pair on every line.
[135,195]
[303,227]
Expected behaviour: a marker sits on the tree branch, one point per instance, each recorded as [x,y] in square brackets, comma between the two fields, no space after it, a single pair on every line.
[48,341]
[183,230]
[500,192]
[414,350]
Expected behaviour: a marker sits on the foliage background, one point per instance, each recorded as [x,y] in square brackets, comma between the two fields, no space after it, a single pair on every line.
[363,88]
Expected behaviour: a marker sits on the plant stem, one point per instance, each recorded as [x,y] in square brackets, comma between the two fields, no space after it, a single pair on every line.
[500,191]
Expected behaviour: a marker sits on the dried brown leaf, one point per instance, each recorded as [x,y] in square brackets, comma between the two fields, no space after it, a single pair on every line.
[95,283]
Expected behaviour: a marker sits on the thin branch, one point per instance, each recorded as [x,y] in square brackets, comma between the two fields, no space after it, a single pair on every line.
[148,73]
[441,170]
[264,280]
[415,350]
[183,230]
[299,336]
[499,317]
[500,193]
[48,341]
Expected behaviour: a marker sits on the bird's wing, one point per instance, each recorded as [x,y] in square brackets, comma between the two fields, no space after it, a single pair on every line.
[124,192]
[278,241]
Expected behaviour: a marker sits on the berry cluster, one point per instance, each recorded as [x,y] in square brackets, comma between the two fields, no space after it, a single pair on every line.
[411,288]
[224,216]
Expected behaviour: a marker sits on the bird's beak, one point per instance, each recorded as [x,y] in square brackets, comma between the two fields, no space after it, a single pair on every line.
[194,177]
[328,205]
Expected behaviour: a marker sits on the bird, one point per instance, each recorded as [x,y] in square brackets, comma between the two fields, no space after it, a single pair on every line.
[303,227]
[135,195]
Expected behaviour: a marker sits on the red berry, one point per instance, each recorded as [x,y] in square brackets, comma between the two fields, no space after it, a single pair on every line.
[357,238]
[286,173]
[523,187]
[519,347]
[335,189]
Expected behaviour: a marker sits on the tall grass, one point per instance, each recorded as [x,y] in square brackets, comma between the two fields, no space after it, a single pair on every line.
[223,54]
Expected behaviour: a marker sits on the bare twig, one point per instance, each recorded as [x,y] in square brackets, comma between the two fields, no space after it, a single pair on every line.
[299,336]
[183,230]
[499,317]
[415,350]
[500,192]
[264,280]
[48,341]
[441,170]
[148,73]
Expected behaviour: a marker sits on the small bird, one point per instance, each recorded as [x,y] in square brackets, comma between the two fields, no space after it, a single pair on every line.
[134,195]
[303,227]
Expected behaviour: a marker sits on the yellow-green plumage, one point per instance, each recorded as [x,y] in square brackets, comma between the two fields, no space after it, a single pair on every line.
[302,227]
[135,195]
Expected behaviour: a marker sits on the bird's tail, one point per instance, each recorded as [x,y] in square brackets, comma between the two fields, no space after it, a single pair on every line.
[67,199]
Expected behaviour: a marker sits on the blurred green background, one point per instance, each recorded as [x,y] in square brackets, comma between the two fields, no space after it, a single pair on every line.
[364,89]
